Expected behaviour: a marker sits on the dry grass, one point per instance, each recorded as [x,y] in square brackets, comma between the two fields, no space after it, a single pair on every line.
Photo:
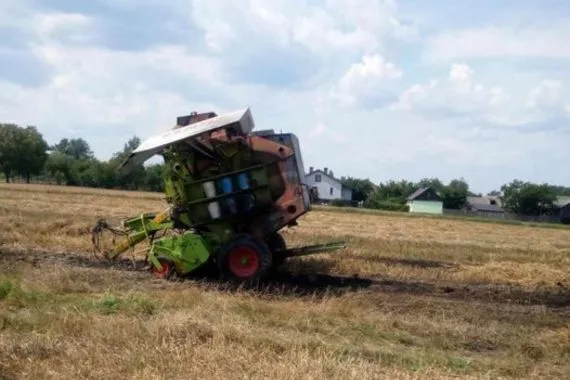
[434,299]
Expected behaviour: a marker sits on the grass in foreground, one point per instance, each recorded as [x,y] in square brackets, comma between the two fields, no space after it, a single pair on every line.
[443,299]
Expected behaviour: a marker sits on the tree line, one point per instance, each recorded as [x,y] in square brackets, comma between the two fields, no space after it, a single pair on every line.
[24,153]
[518,197]
[392,195]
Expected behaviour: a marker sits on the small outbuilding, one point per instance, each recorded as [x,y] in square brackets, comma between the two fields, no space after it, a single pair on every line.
[425,200]
[487,210]
[565,214]
[485,206]
[563,205]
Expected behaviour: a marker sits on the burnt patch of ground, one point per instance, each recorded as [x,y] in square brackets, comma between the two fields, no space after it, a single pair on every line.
[13,257]
[281,283]
[508,294]
[420,263]
[286,283]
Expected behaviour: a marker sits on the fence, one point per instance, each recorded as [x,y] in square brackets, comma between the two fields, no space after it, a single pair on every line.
[504,216]
[507,216]
[40,180]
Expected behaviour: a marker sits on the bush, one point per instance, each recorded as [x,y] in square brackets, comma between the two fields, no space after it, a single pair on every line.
[5,289]
[386,205]
[339,203]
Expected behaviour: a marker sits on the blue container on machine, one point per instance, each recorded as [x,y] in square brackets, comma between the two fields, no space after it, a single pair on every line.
[243,183]
[227,187]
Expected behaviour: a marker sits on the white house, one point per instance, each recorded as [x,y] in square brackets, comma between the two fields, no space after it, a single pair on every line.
[329,188]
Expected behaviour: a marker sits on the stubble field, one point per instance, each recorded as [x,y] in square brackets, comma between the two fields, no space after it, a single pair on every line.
[409,298]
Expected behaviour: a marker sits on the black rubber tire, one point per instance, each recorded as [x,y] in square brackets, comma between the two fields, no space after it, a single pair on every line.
[275,242]
[252,245]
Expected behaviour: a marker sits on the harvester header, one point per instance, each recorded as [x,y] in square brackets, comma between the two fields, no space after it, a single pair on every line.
[229,192]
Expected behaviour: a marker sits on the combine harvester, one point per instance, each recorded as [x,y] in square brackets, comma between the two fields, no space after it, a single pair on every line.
[230,191]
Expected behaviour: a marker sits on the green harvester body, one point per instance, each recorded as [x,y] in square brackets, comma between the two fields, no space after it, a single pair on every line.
[229,193]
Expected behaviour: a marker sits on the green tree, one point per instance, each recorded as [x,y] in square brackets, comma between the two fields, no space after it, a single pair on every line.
[86,172]
[434,183]
[134,179]
[154,178]
[361,188]
[10,142]
[391,195]
[59,167]
[32,154]
[22,151]
[128,148]
[528,198]
[76,148]
[395,191]
[561,190]
[107,175]
[455,194]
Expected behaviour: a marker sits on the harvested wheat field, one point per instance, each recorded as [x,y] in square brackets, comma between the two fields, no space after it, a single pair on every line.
[410,298]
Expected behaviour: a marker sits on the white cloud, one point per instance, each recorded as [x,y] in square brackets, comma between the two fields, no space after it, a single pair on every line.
[373,66]
[460,94]
[96,91]
[460,77]
[13,13]
[489,114]
[321,131]
[51,22]
[380,18]
[317,32]
[358,26]
[548,93]
[416,93]
[73,27]
[364,79]
[492,42]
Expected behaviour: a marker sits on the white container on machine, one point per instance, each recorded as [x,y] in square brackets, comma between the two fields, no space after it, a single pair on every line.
[213,207]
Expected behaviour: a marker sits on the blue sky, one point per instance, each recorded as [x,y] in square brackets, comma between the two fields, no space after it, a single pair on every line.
[374,89]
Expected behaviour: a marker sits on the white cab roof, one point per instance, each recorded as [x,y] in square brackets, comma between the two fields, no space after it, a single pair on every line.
[148,148]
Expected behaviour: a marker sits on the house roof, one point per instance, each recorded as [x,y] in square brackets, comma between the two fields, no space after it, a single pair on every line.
[562,201]
[486,207]
[420,191]
[330,176]
[486,200]
[417,193]
[323,173]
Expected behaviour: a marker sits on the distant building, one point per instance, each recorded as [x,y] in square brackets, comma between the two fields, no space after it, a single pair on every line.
[494,200]
[485,206]
[328,187]
[562,203]
[565,214]
[425,200]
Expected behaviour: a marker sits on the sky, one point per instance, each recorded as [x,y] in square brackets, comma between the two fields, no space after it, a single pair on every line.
[373,89]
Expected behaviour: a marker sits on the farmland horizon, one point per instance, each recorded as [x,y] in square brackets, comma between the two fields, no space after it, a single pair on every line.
[409,298]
